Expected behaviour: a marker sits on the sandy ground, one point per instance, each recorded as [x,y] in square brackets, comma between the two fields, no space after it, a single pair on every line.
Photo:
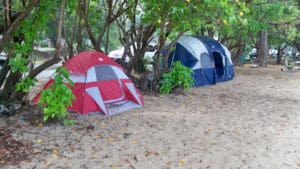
[250,122]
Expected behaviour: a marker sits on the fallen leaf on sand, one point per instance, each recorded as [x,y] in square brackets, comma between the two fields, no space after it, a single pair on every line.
[182,162]
[55,151]
[135,158]
[237,131]
[127,161]
[119,164]
[40,125]
[134,141]
[169,162]
[110,140]
[99,136]
[150,152]
[126,135]
[78,137]
[47,162]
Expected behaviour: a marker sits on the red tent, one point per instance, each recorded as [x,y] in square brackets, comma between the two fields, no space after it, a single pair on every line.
[100,85]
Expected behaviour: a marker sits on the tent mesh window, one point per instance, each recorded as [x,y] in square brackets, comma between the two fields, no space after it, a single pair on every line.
[105,73]
[206,61]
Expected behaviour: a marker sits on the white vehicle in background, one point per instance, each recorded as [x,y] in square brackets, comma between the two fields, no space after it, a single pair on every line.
[117,55]
[273,52]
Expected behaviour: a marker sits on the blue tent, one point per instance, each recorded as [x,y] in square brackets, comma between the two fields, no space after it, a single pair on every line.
[210,60]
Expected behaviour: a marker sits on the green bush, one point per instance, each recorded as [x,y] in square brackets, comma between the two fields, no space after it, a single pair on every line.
[25,84]
[178,76]
[55,99]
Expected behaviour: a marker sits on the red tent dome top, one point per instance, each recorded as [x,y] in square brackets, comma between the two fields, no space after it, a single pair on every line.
[81,62]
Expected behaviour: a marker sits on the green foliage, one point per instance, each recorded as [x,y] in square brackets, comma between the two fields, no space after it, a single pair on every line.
[25,84]
[178,76]
[57,97]
[27,32]
[18,64]
[284,29]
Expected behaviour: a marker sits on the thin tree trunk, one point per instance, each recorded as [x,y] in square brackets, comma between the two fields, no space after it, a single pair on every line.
[3,73]
[79,32]
[59,30]
[138,55]
[296,41]
[239,52]
[262,50]
[9,88]
[107,39]
[88,27]
[71,39]
[279,55]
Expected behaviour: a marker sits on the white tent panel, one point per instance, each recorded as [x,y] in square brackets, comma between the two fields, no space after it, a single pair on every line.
[91,75]
[77,78]
[193,45]
[132,90]
[119,72]
[96,95]
[227,52]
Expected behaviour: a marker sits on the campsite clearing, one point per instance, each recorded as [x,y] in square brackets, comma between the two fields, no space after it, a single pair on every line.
[252,121]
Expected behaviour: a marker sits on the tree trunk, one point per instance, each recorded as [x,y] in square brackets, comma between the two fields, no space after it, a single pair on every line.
[88,28]
[138,56]
[236,58]
[3,73]
[7,95]
[297,40]
[79,38]
[79,31]
[156,62]
[262,51]
[279,55]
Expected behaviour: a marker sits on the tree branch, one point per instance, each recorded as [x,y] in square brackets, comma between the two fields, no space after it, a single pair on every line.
[16,23]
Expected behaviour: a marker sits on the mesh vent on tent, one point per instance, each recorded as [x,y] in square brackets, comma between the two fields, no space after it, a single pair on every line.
[105,73]
[206,61]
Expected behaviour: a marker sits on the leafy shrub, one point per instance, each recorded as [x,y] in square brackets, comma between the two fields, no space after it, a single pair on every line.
[58,97]
[178,76]
[18,64]
[25,84]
